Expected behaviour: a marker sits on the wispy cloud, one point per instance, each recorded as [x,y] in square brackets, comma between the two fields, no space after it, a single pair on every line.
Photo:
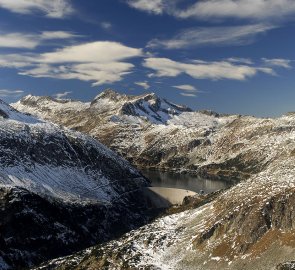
[189,90]
[100,62]
[240,60]
[47,35]
[18,40]
[144,84]
[52,8]
[260,10]
[186,87]
[10,93]
[31,41]
[278,62]
[62,95]
[241,9]
[151,6]
[214,36]
[106,25]
[188,94]
[164,67]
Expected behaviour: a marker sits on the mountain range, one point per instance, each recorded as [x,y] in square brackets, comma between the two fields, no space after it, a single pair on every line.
[249,226]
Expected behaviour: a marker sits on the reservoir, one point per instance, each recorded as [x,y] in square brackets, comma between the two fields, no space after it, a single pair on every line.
[183,181]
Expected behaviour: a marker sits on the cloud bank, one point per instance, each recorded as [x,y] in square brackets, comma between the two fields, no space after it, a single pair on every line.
[31,41]
[165,67]
[100,62]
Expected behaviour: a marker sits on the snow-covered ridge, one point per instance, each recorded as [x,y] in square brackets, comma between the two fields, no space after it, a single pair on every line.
[8,112]
[154,133]
[147,130]
[148,107]
[42,157]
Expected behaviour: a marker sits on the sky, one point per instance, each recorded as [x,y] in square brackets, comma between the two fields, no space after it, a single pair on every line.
[229,56]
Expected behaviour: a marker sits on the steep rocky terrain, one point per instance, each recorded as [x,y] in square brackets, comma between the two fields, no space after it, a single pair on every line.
[147,130]
[60,191]
[154,133]
[250,226]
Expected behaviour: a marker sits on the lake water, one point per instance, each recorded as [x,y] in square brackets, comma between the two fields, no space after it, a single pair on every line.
[183,181]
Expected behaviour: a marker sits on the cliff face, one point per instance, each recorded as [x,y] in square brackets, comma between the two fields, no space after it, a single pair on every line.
[60,191]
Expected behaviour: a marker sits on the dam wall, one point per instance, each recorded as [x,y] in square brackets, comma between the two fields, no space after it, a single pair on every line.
[161,197]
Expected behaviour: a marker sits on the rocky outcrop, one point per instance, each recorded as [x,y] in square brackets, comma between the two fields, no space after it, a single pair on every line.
[35,229]
[286,266]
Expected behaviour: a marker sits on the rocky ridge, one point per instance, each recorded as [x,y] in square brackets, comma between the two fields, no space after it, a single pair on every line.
[230,147]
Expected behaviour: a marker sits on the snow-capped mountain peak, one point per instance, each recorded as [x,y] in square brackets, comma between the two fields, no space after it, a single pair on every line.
[108,105]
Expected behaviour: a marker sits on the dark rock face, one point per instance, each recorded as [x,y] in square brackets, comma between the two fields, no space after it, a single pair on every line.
[3,114]
[35,229]
[286,266]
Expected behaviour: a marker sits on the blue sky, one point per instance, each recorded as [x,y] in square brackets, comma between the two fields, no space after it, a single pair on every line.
[230,56]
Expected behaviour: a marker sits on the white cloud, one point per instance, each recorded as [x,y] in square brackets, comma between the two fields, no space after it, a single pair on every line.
[15,60]
[186,87]
[216,36]
[240,60]
[52,8]
[242,9]
[145,84]
[31,41]
[151,6]
[188,94]
[18,40]
[10,93]
[47,35]
[165,67]
[62,95]
[219,9]
[92,52]
[278,62]
[99,62]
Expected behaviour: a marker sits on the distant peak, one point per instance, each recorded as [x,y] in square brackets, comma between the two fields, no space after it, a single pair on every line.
[109,93]
[149,96]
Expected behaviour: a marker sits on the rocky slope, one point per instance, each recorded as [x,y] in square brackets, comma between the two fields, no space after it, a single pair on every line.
[147,130]
[154,133]
[250,226]
[60,191]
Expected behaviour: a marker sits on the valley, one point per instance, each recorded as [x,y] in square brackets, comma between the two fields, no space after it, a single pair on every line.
[147,135]
[245,223]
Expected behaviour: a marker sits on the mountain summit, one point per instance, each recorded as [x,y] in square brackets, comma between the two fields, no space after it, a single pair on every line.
[148,107]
